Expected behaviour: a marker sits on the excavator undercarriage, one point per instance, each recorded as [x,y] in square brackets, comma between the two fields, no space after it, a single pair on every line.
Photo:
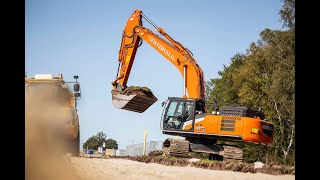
[183,148]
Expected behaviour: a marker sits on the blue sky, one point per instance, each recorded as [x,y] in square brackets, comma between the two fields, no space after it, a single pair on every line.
[82,37]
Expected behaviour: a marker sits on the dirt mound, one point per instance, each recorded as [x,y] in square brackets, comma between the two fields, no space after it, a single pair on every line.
[227,165]
[132,90]
[155,153]
[276,169]
[245,167]
[161,160]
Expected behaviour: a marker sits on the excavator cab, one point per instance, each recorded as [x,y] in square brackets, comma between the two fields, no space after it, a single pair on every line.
[180,112]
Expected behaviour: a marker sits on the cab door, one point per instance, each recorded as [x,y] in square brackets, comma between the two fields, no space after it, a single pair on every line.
[188,116]
[179,115]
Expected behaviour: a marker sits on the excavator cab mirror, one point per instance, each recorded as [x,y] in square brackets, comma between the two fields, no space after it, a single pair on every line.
[76,87]
[163,103]
[77,94]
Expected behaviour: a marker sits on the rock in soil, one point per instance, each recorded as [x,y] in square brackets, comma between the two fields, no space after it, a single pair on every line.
[258,165]
[194,160]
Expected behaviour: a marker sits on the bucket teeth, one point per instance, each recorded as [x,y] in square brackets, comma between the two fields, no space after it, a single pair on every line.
[137,103]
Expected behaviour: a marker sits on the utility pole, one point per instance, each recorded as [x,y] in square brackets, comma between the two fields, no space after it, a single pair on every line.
[145,142]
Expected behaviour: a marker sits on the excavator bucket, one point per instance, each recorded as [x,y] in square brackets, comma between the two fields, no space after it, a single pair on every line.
[134,102]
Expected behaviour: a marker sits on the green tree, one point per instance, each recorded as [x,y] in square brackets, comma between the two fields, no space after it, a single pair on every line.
[101,137]
[264,77]
[111,144]
[91,143]
[288,13]
[97,141]
[221,91]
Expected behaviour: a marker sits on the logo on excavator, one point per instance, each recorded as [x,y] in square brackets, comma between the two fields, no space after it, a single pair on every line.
[159,46]
[200,127]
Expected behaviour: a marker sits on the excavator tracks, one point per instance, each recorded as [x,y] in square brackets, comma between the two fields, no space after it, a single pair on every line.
[176,147]
[232,152]
[182,148]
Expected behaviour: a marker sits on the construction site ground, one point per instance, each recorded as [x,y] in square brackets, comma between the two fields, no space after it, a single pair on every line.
[119,168]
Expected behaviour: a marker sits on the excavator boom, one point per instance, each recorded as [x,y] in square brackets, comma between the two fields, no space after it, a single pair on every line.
[173,51]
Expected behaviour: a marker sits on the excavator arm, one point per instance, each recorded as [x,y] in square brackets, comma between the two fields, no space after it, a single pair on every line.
[128,48]
[173,51]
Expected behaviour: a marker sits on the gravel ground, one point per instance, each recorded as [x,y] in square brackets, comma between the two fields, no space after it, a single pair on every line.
[97,169]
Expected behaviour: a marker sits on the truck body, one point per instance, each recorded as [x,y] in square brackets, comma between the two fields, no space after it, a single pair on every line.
[50,93]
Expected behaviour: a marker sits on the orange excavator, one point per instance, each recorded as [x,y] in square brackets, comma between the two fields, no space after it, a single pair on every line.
[186,116]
